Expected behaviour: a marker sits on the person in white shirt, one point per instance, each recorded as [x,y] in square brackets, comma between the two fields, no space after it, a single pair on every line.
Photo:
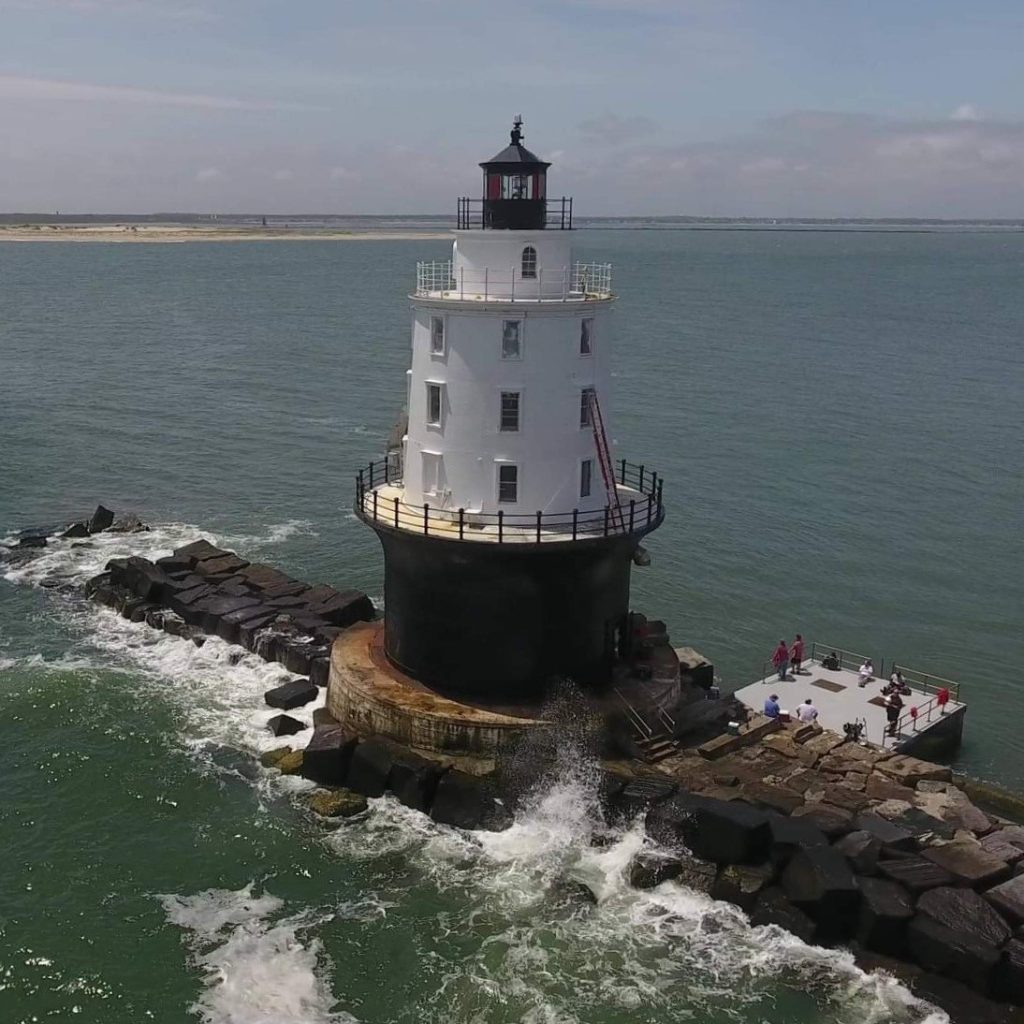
[865,672]
[807,712]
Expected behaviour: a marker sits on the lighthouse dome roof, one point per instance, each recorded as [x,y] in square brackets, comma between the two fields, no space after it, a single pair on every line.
[515,152]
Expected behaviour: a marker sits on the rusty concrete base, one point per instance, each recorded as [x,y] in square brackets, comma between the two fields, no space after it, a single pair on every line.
[367,694]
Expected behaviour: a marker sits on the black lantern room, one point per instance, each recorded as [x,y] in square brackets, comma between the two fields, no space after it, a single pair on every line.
[515,192]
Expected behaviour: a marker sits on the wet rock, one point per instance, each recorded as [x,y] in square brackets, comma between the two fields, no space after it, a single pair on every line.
[1008,899]
[250,628]
[371,765]
[101,519]
[322,719]
[413,779]
[788,835]
[963,910]
[226,564]
[886,910]
[183,602]
[229,625]
[862,850]
[291,695]
[144,578]
[259,576]
[833,821]
[470,802]
[134,608]
[571,891]
[320,671]
[298,656]
[269,758]
[996,844]
[915,873]
[961,1004]
[32,541]
[336,803]
[284,725]
[341,608]
[727,833]
[198,551]
[328,757]
[127,523]
[290,763]
[772,907]
[76,530]
[773,797]
[1009,983]
[696,874]
[174,625]
[648,869]
[969,863]
[820,882]
[956,954]
[892,837]
[212,608]
[171,564]
[640,793]
[741,884]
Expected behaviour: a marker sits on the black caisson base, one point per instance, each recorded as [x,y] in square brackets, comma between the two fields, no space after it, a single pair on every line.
[500,621]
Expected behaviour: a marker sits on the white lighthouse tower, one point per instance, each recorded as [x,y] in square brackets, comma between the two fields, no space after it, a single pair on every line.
[508,526]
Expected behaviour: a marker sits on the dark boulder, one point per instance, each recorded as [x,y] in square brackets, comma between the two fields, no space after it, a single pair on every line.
[963,910]
[328,756]
[571,892]
[886,909]
[861,849]
[288,589]
[76,530]
[915,873]
[229,628]
[198,551]
[184,601]
[103,579]
[250,628]
[697,874]
[969,863]
[727,832]
[413,779]
[640,793]
[788,835]
[126,522]
[212,608]
[772,796]
[342,609]
[32,541]
[665,820]
[1010,974]
[101,519]
[470,802]
[141,612]
[298,656]
[648,869]
[741,884]
[320,670]
[172,564]
[833,821]
[961,1004]
[174,625]
[259,576]
[221,565]
[1008,899]
[322,717]
[371,765]
[144,578]
[820,882]
[891,836]
[961,956]
[285,725]
[773,907]
[132,605]
[291,695]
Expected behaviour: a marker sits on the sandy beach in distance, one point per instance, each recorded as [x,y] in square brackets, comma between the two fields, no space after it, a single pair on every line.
[190,233]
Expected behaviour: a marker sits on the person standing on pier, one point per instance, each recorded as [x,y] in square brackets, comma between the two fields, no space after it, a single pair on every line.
[796,654]
[780,659]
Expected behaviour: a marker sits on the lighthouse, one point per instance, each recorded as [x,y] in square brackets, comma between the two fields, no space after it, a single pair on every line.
[508,523]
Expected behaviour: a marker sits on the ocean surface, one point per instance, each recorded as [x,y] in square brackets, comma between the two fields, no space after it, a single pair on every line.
[837,417]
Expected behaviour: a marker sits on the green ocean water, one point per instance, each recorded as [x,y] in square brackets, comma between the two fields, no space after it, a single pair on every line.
[837,418]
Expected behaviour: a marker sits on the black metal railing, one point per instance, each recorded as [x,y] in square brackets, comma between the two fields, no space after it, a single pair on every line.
[555,214]
[634,515]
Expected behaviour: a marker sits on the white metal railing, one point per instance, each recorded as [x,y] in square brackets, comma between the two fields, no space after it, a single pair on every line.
[437,279]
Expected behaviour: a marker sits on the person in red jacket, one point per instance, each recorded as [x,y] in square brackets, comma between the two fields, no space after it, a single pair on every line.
[780,659]
[796,654]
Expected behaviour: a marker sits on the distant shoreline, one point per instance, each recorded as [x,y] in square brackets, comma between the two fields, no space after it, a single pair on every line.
[164,233]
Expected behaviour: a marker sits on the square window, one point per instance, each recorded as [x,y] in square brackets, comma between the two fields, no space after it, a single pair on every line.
[586,336]
[437,335]
[586,477]
[509,410]
[511,340]
[508,484]
[585,396]
[434,404]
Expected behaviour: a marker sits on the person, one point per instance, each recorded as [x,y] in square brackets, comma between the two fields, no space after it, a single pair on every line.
[771,706]
[831,662]
[942,699]
[796,654]
[893,707]
[780,659]
[807,712]
[897,683]
[865,672]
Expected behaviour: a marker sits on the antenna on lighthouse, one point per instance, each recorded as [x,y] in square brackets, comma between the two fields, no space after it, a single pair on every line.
[517,129]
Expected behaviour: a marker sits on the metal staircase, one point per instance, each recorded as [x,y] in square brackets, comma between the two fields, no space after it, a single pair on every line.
[656,742]
[604,458]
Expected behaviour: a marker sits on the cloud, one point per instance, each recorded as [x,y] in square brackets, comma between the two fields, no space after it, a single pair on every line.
[965,112]
[19,87]
[209,174]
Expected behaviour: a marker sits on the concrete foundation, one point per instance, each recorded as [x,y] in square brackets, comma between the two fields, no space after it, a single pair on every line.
[370,696]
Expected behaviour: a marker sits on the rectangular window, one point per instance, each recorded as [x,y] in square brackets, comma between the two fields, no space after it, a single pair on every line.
[585,395]
[511,340]
[431,473]
[509,410]
[586,475]
[508,484]
[434,403]
[437,335]
[586,335]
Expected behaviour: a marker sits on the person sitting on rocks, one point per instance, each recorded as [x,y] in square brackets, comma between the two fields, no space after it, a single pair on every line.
[771,706]
[807,712]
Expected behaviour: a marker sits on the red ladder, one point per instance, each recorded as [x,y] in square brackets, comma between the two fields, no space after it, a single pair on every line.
[604,457]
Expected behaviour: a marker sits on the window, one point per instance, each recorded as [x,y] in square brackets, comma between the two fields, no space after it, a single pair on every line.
[586,335]
[431,473]
[434,403]
[517,186]
[511,340]
[437,335]
[509,410]
[586,475]
[529,262]
[508,484]
[585,396]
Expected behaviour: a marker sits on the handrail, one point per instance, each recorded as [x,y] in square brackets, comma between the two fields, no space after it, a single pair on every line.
[634,716]
[644,514]
[847,659]
[576,283]
[557,212]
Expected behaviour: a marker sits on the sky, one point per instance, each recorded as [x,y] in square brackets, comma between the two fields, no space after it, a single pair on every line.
[768,108]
